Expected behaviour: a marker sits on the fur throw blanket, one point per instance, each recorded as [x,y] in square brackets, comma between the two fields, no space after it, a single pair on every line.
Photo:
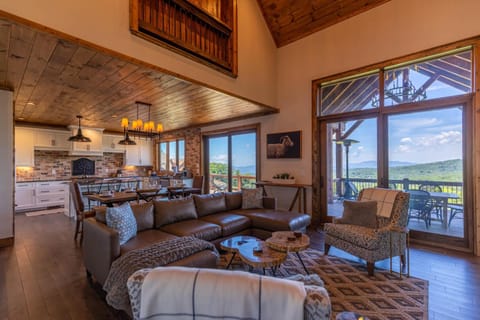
[158,254]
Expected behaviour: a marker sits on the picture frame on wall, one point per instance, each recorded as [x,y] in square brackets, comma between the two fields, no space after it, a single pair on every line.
[284,145]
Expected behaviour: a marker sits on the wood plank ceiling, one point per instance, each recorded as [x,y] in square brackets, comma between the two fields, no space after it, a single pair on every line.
[54,79]
[291,20]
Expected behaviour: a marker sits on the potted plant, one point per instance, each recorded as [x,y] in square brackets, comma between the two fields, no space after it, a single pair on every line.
[283,178]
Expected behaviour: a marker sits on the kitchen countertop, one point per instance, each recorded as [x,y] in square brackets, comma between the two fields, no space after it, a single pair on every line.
[81,179]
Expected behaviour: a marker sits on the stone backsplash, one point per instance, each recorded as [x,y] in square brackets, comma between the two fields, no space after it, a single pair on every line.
[58,165]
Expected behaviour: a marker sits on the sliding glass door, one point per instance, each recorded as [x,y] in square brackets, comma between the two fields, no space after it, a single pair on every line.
[406,127]
[426,159]
[351,159]
[231,160]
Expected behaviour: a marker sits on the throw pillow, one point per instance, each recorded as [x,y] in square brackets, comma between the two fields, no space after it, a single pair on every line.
[360,213]
[252,198]
[122,219]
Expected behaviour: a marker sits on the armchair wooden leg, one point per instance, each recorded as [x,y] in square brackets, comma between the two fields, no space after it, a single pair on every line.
[77,229]
[370,268]
[327,248]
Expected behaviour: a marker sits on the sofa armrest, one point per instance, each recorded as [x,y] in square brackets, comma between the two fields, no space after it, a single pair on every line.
[101,247]
[270,203]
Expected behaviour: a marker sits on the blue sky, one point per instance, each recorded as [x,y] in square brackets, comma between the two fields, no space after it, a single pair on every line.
[244,150]
[419,137]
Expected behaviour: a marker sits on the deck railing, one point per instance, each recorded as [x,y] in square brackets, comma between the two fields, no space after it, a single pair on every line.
[219,182]
[403,184]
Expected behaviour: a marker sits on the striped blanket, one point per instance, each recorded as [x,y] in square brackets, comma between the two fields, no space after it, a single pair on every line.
[190,293]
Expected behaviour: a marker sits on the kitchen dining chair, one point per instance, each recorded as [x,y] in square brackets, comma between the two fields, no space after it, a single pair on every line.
[81,213]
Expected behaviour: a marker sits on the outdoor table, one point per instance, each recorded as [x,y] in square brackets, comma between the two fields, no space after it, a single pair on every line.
[442,199]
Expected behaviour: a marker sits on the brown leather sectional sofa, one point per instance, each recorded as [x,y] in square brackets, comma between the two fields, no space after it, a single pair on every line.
[211,217]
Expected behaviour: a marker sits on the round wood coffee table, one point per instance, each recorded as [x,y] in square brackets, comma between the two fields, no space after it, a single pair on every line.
[232,245]
[267,258]
[286,241]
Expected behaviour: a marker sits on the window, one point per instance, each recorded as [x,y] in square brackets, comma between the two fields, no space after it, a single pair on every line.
[171,155]
[408,133]
[231,159]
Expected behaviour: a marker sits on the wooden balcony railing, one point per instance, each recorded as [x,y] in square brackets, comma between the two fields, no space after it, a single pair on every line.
[219,182]
[338,186]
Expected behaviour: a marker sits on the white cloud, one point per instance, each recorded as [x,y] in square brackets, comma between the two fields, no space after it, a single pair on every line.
[222,158]
[406,140]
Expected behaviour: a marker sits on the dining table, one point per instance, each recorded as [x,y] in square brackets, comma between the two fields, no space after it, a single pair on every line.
[442,199]
[126,196]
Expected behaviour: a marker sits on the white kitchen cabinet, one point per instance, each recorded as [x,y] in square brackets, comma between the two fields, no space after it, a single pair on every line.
[88,148]
[24,152]
[110,143]
[24,195]
[52,140]
[51,193]
[42,194]
[140,154]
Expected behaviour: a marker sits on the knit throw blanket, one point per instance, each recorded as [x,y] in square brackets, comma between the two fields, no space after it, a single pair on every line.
[158,254]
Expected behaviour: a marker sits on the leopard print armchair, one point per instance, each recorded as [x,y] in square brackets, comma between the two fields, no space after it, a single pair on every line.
[373,244]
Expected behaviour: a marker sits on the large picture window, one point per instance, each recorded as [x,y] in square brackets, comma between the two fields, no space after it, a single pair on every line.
[409,132]
[231,159]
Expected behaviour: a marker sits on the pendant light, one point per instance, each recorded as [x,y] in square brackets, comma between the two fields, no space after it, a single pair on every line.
[126,141]
[79,137]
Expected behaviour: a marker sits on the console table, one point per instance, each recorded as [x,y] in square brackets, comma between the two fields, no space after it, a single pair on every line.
[300,194]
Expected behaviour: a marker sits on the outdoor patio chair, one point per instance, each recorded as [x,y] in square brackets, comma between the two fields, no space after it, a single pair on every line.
[436,206]
[420,206]
[456,210]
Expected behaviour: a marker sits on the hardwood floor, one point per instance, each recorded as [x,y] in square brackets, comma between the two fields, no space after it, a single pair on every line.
[42,276]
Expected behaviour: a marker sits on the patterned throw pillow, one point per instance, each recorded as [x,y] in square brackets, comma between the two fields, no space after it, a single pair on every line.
[252,198]
[122,219]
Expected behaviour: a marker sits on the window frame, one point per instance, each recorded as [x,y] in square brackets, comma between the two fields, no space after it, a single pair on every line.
[177,149]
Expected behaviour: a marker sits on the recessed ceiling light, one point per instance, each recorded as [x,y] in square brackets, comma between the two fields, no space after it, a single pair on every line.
[30,103]
[114,116]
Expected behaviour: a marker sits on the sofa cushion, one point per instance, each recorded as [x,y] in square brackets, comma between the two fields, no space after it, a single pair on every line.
[197,228]
[360,213]
[252,198]
[230,223]
[276,220]
[144,239]
[209,203]
[233,200]
[143,213]
[121,218]
[167,212]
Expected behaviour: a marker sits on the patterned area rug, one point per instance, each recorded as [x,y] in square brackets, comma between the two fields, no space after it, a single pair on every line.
[383,296]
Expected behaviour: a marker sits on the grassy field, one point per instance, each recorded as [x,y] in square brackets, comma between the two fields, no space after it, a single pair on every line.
[448,171]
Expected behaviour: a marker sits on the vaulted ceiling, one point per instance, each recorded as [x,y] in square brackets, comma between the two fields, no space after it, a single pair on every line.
[291,20]
[55,77]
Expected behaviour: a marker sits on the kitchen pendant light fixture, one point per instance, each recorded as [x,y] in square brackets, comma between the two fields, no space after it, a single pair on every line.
[79,137]
[126,141]
[140,128]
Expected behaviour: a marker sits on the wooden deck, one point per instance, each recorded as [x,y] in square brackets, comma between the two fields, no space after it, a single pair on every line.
[43,275]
